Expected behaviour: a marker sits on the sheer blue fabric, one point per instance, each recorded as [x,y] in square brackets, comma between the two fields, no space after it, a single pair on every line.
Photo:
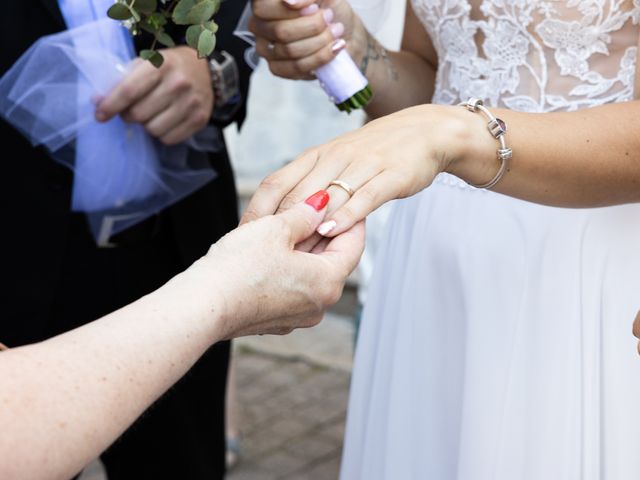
[121,174]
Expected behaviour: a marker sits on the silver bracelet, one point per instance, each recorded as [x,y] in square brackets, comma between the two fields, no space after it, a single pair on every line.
[497,128]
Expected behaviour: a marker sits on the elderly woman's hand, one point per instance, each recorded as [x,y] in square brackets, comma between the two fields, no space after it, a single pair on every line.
[265,284]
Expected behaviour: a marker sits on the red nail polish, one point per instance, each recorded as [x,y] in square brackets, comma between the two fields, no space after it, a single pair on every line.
[318,200]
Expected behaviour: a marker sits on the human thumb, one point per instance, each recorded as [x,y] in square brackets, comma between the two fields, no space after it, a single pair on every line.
[304,218]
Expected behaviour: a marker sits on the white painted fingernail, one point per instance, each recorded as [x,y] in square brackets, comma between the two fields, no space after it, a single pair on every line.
[291,2]
[337,29]
[338,45]
[310,10]
[326,227]
[328,16]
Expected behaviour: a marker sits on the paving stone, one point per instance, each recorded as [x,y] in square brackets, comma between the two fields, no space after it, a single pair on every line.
[295,430]
[333,431]
[311,448]
[281,464]
[328,470]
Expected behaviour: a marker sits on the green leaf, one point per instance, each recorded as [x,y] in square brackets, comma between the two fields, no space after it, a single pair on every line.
[206,43]
[181,11]
[165,39]
[211,26]
[202,12]
[157,20]
[193,34]
[152,56]
[217,3]
[146,6]
[118,11]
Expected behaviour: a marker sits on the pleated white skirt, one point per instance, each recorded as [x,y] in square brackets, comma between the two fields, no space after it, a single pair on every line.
[496,343]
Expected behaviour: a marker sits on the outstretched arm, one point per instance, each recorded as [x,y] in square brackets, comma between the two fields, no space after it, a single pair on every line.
[63,401]
[588,158]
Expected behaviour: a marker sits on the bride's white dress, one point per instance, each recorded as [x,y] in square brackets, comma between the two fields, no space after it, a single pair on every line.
[496,343]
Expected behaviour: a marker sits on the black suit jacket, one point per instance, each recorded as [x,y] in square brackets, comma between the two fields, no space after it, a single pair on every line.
[35,191]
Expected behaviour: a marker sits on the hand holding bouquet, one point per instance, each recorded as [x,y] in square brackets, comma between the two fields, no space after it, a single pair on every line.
[338,75]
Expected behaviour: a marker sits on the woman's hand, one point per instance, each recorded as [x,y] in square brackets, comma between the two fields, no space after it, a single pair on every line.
[266,285]
[297,36]
[392,157]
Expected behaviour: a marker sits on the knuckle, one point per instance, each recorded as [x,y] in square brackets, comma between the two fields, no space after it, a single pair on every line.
[134,116]
[253,20]
[260,10]
[325,56]
[128,93]
[318,25]
[347,214]
[199,118]
[279,224]
[250,214]
[315,320]
[300,67]
[327,38]
[180,82]
[288,202]
[332,293]
[277,70]
[271,182]
[369,194]
[202,118]
[282,32]
[152,130]
[289,50]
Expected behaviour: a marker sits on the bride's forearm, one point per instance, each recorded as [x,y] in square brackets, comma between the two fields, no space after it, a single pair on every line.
[398,79]
[588,158]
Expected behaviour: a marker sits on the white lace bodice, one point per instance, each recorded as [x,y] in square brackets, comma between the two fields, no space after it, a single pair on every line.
[532,55]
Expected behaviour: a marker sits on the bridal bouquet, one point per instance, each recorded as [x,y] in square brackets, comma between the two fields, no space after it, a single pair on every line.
[341,78]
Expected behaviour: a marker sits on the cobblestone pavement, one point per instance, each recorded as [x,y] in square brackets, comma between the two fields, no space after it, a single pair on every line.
[292,418]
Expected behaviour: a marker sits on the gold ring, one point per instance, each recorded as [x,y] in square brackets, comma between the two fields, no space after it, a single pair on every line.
[343,185]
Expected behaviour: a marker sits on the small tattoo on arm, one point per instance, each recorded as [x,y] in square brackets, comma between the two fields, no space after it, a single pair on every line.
[376,52]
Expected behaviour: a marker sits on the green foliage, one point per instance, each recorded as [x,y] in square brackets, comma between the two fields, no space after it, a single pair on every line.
[153,56]
[360,100]
[153,16]
[206,43]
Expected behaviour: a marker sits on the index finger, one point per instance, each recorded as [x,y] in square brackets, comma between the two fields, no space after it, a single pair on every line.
[277,185]
[137,84]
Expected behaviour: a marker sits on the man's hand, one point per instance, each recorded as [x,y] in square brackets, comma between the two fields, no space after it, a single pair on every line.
[172,102]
